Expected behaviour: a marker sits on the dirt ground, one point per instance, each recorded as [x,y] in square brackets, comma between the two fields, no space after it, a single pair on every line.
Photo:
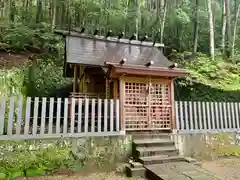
[96,176]
[226,169]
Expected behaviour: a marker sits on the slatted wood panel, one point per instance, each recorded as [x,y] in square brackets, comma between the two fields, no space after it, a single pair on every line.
[147,105]
[49,117]
[207,116]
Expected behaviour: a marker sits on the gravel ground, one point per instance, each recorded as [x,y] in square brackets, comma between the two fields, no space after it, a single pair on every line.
[226,169]
[95,176]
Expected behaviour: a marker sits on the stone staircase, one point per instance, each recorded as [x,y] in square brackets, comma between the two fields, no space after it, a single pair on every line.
[152,149]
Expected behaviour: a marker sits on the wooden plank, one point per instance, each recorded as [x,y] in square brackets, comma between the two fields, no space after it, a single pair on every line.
[111,115]
[177,116]
[225,115]
[117,115]
[99,115]
[19,116]
[86,115]
[80,115]
[59,100]
[200,115]
[105,114]
[27,116]
[10,116]
[93,116]
[212,116]
[229,116]
[221,115]
[65,120]
[122,101]
[2,114]
[190,115]
[217,115]
[173,109]
[204,116]
[43,116]
[195,115]
[50,121]
[57,136]
[182,125]
[237,110]
[208,115]
[187,122]
[233,116]
[72,115]
[35,116]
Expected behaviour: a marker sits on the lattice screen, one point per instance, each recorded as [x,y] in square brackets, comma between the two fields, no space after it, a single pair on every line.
[160,107]
[136,109]
[147,106]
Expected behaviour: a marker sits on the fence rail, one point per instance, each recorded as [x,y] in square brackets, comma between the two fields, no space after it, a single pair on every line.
[52,117]
[207,116]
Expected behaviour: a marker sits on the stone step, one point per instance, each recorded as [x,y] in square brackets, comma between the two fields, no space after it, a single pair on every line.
[135,171]
[135,164]
[160,159]
[158,150]
[151,136]
[153,142]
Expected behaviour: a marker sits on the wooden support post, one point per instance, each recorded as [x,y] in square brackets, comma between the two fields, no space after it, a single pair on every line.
[121,100]
[173,105]
[75,82]
[115,88]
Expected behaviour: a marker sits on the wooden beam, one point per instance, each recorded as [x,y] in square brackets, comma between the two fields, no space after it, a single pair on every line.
[75,81]
[172,105]
[121,100]
[115,88]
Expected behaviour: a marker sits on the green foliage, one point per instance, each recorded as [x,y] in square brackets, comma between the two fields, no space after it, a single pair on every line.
[18,157]
[45,76]
[217,74]
[38,38]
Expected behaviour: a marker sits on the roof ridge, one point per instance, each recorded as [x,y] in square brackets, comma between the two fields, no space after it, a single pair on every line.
[115,40]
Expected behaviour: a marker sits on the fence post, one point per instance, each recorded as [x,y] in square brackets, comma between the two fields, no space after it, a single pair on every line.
[2,114]
[117,115]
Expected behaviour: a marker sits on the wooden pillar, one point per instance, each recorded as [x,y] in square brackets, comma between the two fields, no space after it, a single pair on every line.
[173,109]
[75,76]
[121,100]
[115,89]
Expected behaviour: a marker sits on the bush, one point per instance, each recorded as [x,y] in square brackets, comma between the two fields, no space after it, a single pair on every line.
[19,158]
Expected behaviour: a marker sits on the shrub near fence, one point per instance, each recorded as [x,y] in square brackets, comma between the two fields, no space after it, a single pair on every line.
[207,116]
[50,117]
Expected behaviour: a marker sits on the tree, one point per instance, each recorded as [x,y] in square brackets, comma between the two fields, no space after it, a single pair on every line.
[224,24]
[196,26]
[211,29]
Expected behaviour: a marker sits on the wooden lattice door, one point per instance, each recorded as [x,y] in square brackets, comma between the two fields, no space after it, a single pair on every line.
[147,105]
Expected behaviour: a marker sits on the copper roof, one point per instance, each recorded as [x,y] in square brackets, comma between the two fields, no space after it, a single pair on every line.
[98,50]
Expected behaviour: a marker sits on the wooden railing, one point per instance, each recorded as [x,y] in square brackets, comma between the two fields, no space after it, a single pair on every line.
[49,118]
[86,95]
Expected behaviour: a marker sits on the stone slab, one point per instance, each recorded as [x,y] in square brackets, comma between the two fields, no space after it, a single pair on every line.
[180,171]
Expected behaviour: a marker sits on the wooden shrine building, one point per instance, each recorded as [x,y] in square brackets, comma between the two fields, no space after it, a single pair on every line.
[135,72]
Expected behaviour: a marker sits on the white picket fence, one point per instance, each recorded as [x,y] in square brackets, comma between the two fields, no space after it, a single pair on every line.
[41,118]
[193,117]
[53,118]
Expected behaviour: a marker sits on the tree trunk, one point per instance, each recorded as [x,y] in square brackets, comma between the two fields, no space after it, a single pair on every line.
[39,11]
[235,32]
[229,30]
[163,22]
[196,26]
[211,29]
[138,18]
[224,24]
[54,14]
